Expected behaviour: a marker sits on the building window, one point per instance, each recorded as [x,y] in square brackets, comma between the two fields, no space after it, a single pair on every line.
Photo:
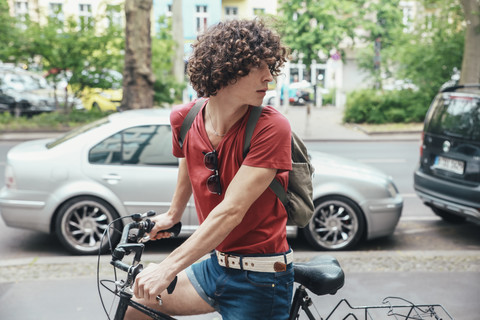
[21,13]
[114,15]
[55,10]
[21,8]
[258,11]
[408,11]
[201,17]
[231,13]
[85,15]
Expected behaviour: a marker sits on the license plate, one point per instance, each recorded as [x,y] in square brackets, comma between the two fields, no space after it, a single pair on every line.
[451,165]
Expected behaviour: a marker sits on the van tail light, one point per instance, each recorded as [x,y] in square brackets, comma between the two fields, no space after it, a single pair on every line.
[422,144]
[10,181]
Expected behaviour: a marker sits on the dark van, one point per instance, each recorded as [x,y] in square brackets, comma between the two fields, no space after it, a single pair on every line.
[448,175]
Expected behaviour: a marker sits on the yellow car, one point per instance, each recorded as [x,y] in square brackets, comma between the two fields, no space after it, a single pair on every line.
[101,99]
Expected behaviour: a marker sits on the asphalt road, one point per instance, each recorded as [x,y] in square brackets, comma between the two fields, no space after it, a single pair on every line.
[419,228]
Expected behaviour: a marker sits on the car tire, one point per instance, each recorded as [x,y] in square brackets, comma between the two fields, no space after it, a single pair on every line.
[338,223]
[448,216]
[80,224]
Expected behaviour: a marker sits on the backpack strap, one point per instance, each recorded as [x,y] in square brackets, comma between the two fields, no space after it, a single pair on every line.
[275,185]
[251,123]
[187,122]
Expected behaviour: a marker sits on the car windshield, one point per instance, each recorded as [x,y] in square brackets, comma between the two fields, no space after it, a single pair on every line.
[78,131]
[455,115]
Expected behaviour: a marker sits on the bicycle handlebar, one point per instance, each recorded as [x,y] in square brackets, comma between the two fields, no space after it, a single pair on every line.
[131,243]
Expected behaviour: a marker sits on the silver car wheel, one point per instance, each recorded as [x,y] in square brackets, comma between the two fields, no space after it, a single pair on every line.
[337,224]
[81,223]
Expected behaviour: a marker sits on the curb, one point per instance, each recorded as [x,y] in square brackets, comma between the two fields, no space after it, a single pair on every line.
[33,269]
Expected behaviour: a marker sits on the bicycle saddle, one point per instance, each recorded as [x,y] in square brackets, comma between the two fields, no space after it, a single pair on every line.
[321,275]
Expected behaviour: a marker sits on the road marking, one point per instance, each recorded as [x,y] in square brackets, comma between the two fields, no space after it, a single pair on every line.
[382,160]
[408,195]
[420,218]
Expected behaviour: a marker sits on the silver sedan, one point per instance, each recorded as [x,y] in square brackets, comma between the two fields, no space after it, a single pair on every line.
[76,185]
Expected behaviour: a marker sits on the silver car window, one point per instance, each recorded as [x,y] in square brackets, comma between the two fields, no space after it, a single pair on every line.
[142,145]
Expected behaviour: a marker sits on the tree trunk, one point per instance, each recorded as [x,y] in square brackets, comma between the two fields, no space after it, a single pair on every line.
[138,78]
[471,54]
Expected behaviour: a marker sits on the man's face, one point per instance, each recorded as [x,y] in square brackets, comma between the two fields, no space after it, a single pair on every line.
[251,88]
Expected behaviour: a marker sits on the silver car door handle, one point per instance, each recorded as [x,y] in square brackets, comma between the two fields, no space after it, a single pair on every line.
[112,178]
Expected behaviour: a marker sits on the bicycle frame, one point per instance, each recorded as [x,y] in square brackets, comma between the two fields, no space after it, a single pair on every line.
[321,276]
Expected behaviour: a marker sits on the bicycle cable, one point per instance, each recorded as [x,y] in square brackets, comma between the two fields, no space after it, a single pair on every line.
[100,282]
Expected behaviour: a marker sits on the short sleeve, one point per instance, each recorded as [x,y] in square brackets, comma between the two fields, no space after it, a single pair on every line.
[270,146]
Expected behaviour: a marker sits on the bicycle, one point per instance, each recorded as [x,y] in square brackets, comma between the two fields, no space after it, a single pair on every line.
[321,276]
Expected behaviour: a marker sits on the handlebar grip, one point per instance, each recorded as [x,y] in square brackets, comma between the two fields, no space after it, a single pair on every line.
[175,230]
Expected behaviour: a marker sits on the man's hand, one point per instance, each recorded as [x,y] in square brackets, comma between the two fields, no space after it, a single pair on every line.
[162,222]
[151,282]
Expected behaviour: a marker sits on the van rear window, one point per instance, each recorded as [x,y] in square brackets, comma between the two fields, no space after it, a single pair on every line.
[455,115]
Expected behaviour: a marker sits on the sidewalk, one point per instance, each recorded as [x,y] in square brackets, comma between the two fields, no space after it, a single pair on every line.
[322,124]
[326,124]
[54,288]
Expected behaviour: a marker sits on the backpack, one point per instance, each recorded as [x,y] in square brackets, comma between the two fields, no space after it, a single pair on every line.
[298,199]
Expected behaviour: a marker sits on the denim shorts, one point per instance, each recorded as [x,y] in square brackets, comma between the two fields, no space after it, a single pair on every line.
[242,295]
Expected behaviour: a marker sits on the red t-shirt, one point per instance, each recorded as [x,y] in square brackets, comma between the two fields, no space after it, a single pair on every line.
[263,229]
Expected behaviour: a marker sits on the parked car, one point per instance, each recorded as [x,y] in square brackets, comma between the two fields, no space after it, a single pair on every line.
[448,175]
[75,185]
[299,94]
[20,100]
[31,93]
[97,95]
[102,99]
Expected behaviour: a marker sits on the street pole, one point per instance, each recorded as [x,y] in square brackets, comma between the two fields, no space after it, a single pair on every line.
[177,32]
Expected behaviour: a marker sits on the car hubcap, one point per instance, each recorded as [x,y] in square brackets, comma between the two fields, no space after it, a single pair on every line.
[84,225]
[334,225]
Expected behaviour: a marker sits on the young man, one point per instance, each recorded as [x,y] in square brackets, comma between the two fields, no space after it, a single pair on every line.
[250,273]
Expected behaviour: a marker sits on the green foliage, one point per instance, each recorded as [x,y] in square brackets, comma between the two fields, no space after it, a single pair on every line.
[70,50]
[163,51]
[377,107]
[49,121]
[8,31]
[328,98]
[387,27]
[429,55]
[310,27]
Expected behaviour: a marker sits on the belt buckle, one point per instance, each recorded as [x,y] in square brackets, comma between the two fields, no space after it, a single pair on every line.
[279,266]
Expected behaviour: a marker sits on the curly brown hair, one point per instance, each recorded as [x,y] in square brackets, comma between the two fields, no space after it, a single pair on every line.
[227,51]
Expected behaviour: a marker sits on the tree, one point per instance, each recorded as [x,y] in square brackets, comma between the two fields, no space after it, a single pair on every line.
[8,32]
[138,78]
[163,52]
[430,53]
[314,27]
[383,32]
[69,50]
[471,54]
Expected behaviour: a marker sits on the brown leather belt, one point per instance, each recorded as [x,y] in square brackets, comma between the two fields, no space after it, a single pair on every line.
[276,263]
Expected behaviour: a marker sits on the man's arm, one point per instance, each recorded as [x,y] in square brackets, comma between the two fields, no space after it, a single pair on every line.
[249,183]
[182,194]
